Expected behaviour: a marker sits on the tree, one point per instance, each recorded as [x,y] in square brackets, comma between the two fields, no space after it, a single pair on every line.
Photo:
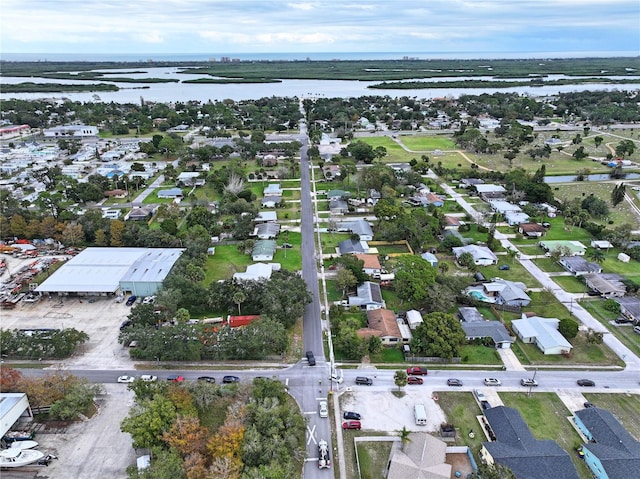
[618,194]
[466,260]
[413,277]
[77,400]
[440,335]
[239,298]
[595,254]
[187,436]
[598,141]
[493,471]
[116,228]
[149,420]
[568,328]
[405,437]
[579,154]
[9,379]
[346,280]
[400,379]
[73,234]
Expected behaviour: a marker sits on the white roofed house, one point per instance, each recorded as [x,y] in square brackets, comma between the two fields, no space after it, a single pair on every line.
[266,230]
[543,332]
[482,256]
[489,191]
[273,189]
[360,227]
[414,318]
[190,178]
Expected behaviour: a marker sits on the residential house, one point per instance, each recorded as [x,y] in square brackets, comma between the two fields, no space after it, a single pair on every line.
[111,214]
[430,258]
[115,193]
[338,207]
[531,230]
[579,266]
[331,171]
[543,332]
[435,200]
[414,319]
[601,244]
[574,248]
[609,285]
[500,291]
[273,189]
[190,178]
[516,448]
[399,167]
[369,296]
[490,191]
[266,217]
[360,227]
[482,256]
[170,193]
[469,182]
[452,222]
[266,231]
[422,457]
[257,272]
[374,196]
[271,201]
[263,250]
[352,246]
[141,213]
[515,217]
[630,307]
[338,195]
[504,207]
[475,326]
[611,452]
[383,324]
[371,263]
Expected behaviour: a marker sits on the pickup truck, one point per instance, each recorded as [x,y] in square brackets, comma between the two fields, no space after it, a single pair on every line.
[324,461]
[417,371]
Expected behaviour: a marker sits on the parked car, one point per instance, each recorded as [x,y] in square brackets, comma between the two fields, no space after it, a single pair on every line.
[175,378]
[492,382]
[479,394]
[126,379]
[417,371]
[485,405]
[230,379]
[504,267]
[323,406]
[130,300]
[351,425]
[351,415]
[364,380]
[588,404]
[586,383]
[148,378]
[414,380]
[149,300]
[530,382]
[207,379]
[622,320]
[287,245]
[125,323]
[454,382]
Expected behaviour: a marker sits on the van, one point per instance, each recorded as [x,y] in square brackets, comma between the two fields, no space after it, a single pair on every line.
[311,358]
[364,380]
[420,414]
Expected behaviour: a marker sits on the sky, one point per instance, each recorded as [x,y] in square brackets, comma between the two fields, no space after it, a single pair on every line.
[225,27]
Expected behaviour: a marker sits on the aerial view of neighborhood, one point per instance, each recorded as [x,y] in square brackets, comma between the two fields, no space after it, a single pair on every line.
[407,249]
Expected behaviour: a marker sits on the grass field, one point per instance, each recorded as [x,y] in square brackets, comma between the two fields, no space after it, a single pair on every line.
[546,416]
[373,458]
[419,143]
[548,265]
[395,153]
[570,284]
[461,410]
[472,354]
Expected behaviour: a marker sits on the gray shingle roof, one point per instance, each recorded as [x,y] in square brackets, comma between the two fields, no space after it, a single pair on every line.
[516,448]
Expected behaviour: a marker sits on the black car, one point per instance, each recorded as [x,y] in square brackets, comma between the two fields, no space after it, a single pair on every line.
[364,380]
[454,382]
[125,323]
[589,404]
[131,300]
[351,415]
[207,379]
[485,405]
[230,379]
[586,382]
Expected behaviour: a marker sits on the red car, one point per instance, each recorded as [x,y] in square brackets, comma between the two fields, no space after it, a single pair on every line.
[414,380]
[175,378]
[351,425]
[417,371]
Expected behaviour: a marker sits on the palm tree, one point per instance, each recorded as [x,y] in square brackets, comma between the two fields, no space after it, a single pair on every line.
[404,437]
[239,298]
[595,254]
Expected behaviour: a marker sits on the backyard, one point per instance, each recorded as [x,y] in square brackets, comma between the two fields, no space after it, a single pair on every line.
[625,407]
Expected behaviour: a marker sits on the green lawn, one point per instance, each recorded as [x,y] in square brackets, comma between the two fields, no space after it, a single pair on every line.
[392,300]
[330,241]
[546,305]
[387,355]
[472,354]
[420,143]
[224,263]
[546,416]
[153,198]
[516,272]
[461,410]
[334,293]
[548,265]
[570,284]
[373,458]
[395,153]
[630,270]
[558,231]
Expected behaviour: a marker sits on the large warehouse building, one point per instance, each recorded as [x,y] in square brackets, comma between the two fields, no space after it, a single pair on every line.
[109,271]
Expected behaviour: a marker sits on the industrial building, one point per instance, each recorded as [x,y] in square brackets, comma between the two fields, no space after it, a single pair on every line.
[110,271]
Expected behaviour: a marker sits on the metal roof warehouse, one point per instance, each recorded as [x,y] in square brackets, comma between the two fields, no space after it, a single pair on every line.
[103,271]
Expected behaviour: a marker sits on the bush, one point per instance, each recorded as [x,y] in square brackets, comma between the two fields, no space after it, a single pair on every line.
[568,328]
[611,305]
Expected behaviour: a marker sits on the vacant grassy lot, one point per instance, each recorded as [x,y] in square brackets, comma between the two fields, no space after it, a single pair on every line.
[516,272]
[395,153]
[548,265]
[330,241]
[620,214]
[461,410]
[387,355]
[571,284]
[630,270]
[373,457]
[471,354]
[420,143]
[546,416]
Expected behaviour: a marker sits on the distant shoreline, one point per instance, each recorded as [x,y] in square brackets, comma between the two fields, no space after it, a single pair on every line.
[304,56]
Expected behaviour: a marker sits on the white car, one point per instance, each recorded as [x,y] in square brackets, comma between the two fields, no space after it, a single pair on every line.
[324,409]
[337,378]
[126,379]
[492,382]
[148,378]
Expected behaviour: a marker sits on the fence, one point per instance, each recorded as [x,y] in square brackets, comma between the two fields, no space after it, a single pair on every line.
[431,359]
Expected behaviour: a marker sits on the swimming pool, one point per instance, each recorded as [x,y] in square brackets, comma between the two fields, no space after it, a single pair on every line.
[478,295]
